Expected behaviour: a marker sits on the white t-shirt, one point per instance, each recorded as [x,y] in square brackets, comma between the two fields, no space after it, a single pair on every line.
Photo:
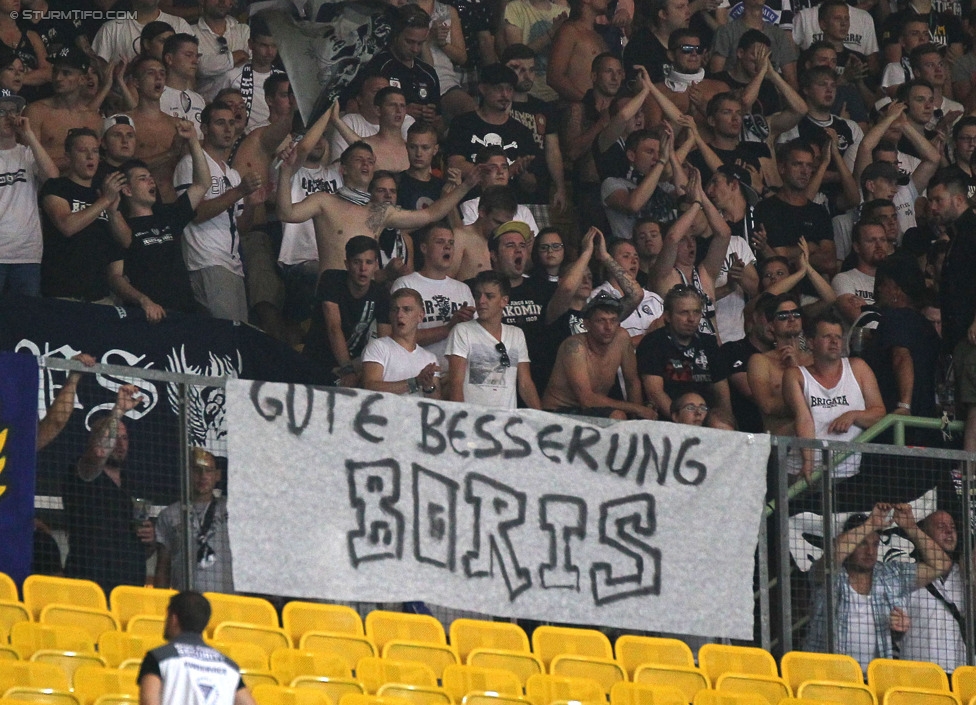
[20,221]
[260,113]
[215,68]
[729,309]
[855,282]
[185,105]
[119,38]
[213,243]
[298,239]
[637,323]
[398,362]
[486,381]
[442,297]
[469,214]
[861,37]
[935,634]
[861,638]
[362,127]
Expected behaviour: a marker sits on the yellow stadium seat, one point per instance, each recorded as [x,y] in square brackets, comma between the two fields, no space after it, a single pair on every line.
[8,653]
[625,693]
[45,696]
[543,689]
[91,682]
[151,625]
[470,634]
[127,601]
[266,694]
[94,621]
[43,590]
[28,637]
[116,647]
[964,682]
[716,659]
[493,698]
[801,666]
[461,680]
[356,699]
[771,688]
[268,638]
[116,699]
[604,671]
[713,697]
[243,653]
[383,626]
[346,646]
[253,677]
[807,701]
[11,612]
[633,651]
[374,672]
[335,688]
[27,674]
[8,588]
[236,608]
[688,679]
[130,664]
[298,617]
[888,673]
[549,642]
[437,656]
[416,694]
[522,664]
[67,661]
[839,691]
[288,664]
[919,696]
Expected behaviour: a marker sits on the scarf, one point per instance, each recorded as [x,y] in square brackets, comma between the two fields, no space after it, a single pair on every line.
[353,195]
[679,82]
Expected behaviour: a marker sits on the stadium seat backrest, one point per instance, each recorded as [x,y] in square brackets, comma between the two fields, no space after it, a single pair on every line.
[470,634]
[375,672]
[146,625]
[346,646]
[964,682]
[460,680]
[116,699]
[919,696]
[884,674]
[688,679]
[522,664]
[267,694]
[437,656]
[67,661]
[287,664]
[8,588]
[847,693]
[28,637]
[416,694]
[44,696]
[355,699]
[626,693]
[383,626]
[713,697]
[254,677]
[604,671]
[543,689]
[11,612]
[94,621]
[236,608]
[549,642]
[268,638]
[116,647]
[335,688]
[43,590]
[243,653]
[28,674]
[801,666]
[8,653]
[492,698]
[716,659]
[633,651]
[298,617]
[91,682]
[127,601]
[772,688]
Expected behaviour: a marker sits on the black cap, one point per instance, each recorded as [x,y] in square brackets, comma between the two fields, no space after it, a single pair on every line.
[496,74]
[602,300]
[739,173]
[70,56]
[883,170]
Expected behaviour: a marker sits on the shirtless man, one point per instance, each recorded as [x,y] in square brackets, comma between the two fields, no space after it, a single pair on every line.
[155,130]
[586,367]
[52,118]
[766,370]
[388,144]
[344,215]
[258,148]
[497,207]
[574,47]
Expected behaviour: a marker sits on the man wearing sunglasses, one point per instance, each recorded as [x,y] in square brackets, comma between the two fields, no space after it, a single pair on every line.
[684,81]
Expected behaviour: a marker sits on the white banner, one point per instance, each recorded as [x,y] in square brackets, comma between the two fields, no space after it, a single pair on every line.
[351,495]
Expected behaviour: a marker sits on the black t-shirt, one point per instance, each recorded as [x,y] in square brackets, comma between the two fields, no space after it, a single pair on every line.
[418,82]
[102,542]
[613,162]
[539,117]
[906,328]
[785,223]
[644,49]
[767,101]
[76,267]
[735,359]
[958,288]
[746,154]
[415,195]
[469,134]
[358,318]
[154,261]
[694,368]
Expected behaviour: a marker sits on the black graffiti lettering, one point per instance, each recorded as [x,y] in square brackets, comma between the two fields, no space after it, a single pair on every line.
[453,434]
[661,464]
[545,444]
[645,459]
[583,437]
[612,455]
[624,523]
[562,517]
[700,470]
[479,429]
[428,432]
[330,397]
[269,408]
[524,450]
[497,510]
[434,518]
[364,417]
[293,427]
[374,490]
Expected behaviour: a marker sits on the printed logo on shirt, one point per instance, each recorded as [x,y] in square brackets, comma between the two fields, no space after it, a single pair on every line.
[8,178]
[77,206]
[492,139]
[310,186]
[440,308]
[828,402]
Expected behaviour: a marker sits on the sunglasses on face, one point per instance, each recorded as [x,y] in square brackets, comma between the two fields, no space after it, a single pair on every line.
[787,315]
[692,49]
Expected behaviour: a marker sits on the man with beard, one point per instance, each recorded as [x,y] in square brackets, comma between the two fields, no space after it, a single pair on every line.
[855,287]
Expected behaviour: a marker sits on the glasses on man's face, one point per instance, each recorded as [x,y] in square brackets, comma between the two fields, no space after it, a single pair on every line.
[787,315]
[11,112]
[693,408]
[506,361]
[692,49]
[552,247]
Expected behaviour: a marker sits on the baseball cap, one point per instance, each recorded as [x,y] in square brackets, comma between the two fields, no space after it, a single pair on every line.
[734,171]
[9,98]
[513,226]
[495,74]
[117,119]
[70,56]
[883,170]
[602,300]
[7,56]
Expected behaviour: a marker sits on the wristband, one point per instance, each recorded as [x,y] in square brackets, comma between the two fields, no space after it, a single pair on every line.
[412,385]
[904,405]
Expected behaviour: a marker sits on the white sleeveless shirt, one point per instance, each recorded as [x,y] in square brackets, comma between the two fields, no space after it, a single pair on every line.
[826,404]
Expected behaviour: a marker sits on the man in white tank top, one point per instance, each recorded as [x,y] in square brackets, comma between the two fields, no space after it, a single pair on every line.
[832,399]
